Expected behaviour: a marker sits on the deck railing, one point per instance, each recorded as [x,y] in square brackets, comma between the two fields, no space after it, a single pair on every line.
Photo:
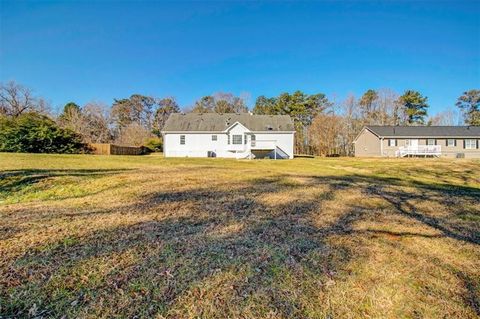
[420,150]
[263,144]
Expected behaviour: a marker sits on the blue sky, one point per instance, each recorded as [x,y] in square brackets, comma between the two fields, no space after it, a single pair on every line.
[81,50]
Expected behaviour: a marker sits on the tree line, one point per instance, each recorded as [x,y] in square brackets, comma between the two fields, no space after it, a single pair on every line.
[323,127]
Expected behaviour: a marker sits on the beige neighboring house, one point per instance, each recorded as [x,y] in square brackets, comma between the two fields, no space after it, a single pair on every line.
[406,141]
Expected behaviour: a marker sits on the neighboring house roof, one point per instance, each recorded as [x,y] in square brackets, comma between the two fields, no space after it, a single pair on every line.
[425,131]
[219,122]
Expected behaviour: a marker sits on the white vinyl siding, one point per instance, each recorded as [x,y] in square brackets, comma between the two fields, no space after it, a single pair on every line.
[201,144]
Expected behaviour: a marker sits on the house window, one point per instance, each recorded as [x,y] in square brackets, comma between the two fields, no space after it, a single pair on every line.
[253,137]
[392,142]
[214,137]
[431,141]
[470,144]
[245,139]
[182,139]
[228,139]
[451,142]
[236,139]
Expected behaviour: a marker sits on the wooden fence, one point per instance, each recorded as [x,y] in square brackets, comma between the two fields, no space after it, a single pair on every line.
[111,149]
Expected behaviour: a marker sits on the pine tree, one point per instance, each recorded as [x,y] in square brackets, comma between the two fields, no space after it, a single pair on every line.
[415,107]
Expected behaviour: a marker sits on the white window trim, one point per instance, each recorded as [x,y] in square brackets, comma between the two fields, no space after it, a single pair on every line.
[431,139]
[470,146]
[236,136]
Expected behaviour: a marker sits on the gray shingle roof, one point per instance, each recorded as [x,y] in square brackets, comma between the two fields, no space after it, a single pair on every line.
[426,131]
[215,122]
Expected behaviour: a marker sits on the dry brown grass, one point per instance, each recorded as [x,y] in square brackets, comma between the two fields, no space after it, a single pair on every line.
[98,236]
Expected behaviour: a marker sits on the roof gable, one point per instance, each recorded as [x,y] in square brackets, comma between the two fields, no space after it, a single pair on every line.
[231,127]
[365,128]
[216,122]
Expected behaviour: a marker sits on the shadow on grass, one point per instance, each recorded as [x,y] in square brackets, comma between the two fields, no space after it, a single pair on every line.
[16,181]
[226,231]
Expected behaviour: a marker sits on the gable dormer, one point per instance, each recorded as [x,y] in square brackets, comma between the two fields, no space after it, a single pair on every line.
[237,128]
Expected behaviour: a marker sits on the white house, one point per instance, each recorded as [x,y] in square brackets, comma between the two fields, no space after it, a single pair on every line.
[230,135]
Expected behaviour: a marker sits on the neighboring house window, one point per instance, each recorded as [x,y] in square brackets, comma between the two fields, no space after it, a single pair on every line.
[431,141]
[214,137]
[392,142]
[470,144]
[451,142]
[182,139]
[228,139]
[253,137]
[237,139]
[245,139]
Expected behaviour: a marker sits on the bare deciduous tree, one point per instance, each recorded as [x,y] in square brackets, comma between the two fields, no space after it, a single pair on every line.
[16,99]
[324,134]
[352,124]
[72,117]
[133,134]
[91,122]
[96,120]
[220,103]
[447,117]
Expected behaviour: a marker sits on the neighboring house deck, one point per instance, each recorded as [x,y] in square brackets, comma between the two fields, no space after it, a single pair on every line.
[418,141]
[419,150]
[228,135]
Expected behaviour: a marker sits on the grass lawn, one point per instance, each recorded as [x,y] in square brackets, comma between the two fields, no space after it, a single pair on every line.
[99,236]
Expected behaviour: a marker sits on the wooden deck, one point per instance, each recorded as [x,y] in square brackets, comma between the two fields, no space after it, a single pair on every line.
[420,150]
